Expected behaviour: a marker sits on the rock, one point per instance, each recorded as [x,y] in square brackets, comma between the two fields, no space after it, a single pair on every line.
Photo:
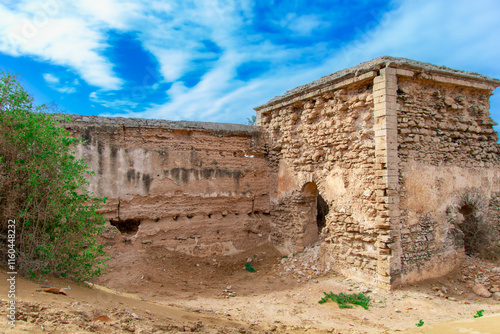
[109,232]
[496,296]
[481,290]
[449,100]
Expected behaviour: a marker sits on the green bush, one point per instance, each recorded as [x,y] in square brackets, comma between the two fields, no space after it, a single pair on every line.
[44,188]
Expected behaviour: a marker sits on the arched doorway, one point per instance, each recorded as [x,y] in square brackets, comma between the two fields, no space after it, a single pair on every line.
[315,210]
[476,234]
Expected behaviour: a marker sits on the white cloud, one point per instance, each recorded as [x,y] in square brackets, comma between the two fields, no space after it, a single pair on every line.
[58,35]
[173,63]
[109,101]
[461,34]
[66,90]
[50,78]
[56,84]
[115,14]
[176,33]
[215,38]
[302,25]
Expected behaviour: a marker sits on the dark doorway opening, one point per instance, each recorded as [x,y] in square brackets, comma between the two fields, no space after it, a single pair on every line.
[323,210]
[470,228]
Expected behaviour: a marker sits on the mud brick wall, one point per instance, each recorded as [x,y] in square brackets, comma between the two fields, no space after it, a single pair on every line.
[197,188]
[322,143]
[448,171]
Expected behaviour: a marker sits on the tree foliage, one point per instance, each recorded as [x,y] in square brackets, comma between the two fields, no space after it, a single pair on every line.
[44,188]
[252,120]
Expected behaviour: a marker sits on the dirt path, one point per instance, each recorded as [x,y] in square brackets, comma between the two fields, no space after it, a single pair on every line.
[172,293]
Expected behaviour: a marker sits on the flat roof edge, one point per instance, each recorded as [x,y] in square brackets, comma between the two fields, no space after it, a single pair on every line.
[360,71]
[216,128]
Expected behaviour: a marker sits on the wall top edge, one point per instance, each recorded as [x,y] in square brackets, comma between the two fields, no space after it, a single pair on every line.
[78,121]
[375,65]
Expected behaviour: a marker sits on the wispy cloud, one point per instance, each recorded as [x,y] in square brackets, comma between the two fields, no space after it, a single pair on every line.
[62,87]
[216,60]
[302,25]
[50,79]
[112,102]
[458,35]
[53,31]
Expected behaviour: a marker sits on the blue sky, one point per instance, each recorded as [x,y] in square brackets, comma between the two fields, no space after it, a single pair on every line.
[215,60]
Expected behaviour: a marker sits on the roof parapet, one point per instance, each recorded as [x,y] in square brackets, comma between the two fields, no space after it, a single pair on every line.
[369,69]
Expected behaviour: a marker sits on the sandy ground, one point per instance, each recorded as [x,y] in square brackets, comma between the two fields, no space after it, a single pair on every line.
[150,290]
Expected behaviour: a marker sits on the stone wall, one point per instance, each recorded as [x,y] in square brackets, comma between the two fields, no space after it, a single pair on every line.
[448,172]
[197,188]
[405,156]
[322,143]
[391,167]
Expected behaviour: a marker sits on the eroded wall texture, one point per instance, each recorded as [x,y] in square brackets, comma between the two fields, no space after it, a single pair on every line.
[324,139]
[449,174]
[197,188]
[405,157]
[391,166]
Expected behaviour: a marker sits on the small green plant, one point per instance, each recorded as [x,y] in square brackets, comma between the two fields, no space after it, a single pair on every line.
[249,267]
[420,323]
[252,120]
[344,299]
[479,314]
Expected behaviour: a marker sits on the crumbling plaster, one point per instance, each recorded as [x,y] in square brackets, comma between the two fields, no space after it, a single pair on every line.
[401,152]
[393,145]
[196,188]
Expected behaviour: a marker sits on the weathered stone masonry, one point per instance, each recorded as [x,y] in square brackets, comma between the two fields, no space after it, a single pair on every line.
[392,166]
[403,152]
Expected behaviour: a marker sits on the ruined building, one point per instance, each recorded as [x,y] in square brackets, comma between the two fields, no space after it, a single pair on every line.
[392,166]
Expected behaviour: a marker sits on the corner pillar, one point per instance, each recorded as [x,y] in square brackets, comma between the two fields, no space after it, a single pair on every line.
[387,178]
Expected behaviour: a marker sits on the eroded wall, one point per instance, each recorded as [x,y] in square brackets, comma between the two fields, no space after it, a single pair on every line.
[386,165]
[448,173]
[406,158]
[198,188]
[326,142]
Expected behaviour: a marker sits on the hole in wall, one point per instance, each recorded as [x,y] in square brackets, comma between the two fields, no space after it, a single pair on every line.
[466,210]
[470,227]
[311,192]
[479,236]
[127,226]
[322,211]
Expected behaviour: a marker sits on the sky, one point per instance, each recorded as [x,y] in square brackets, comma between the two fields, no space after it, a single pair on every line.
[215,60]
